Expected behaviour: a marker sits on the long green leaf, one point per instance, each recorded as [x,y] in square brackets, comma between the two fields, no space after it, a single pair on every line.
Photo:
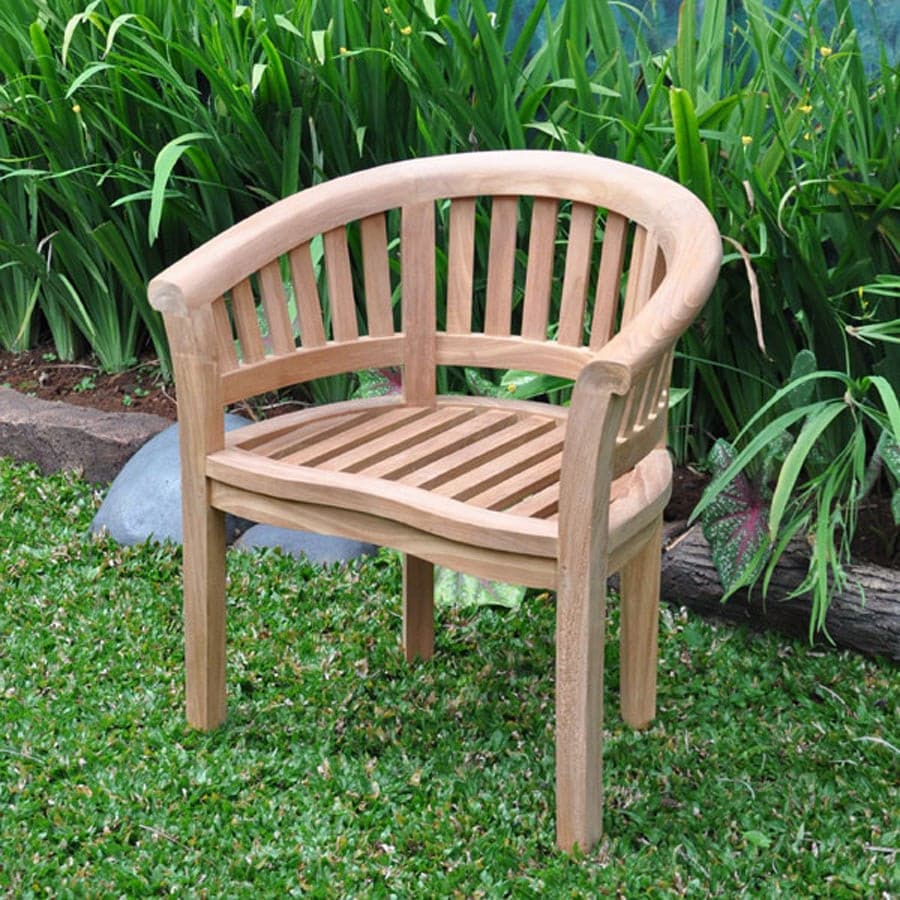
[162,169]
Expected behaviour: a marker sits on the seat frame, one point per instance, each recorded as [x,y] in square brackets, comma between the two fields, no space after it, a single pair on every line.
[604,483]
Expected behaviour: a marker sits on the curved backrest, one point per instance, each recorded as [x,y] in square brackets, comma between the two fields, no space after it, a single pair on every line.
[549,255]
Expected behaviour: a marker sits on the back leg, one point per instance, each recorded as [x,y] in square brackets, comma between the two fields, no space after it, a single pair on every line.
[639,585]
[418,608]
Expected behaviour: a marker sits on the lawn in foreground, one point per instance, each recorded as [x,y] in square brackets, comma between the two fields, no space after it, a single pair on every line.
[771,769]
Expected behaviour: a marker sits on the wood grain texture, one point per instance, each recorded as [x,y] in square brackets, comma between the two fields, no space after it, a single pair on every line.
[340,285]
[306,293]
[418,608]
[501,266]
[515,568]
[539,275]
[275,304]
[227,355]
[243,305]
[548,497]
[639,591]
[579,252]
[460,265]
[377,276]
[419,290]
[581,610]
[609,279]
[201,431]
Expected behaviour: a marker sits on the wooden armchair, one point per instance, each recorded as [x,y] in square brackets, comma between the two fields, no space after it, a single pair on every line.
[547,496]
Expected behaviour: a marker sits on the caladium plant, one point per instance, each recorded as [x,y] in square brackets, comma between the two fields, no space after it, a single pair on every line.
[736,523]
[378,383]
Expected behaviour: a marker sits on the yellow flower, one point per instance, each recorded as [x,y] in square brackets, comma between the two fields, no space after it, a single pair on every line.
[805,108]
[76,109]
[825,52]
[387,10]
[342,50]
[746,140]
[406,29]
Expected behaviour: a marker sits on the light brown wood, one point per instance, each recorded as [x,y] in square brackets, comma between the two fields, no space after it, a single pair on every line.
[638,636]
[203,526]
[340,285]
[609,279]
[539,276]
[306,292]
[511,353]
[306,364]
[551,497]
[501,266]
[224,337]
[460,265]
[417,267]
[578,268]
[275,305]
[377,275]
[581,609]
[418,608]
[515,568]
[243,306]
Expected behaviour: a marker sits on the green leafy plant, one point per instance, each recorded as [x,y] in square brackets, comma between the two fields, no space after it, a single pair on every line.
[815,432]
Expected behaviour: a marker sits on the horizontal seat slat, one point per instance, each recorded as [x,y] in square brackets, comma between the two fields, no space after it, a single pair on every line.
[396,440]
[297,438]
[520,484]
[539,505]
[476,453]
[355,435]
[441,446]
[500,467]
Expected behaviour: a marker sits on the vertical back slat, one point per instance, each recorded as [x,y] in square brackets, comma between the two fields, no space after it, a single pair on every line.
[224,336]
[501,262]
[578,270]
[377,276]
[645,271]
[633,282]
[340,285]
[306,294]
[460,265]
[609,279]
[275,305]
[651,401]
[243,305]
[539,276]
[417,284]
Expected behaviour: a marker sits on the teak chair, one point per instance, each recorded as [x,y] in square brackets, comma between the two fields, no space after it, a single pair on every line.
[548,496]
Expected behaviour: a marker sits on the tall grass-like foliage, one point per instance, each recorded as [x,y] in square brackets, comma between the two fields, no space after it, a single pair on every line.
[130,133]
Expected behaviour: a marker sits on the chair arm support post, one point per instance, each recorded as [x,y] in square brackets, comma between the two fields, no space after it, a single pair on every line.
[581,601]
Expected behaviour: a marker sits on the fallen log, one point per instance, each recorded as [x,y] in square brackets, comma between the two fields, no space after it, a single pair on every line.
[865,616]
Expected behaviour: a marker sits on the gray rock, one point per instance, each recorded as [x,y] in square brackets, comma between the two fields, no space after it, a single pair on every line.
[145,499]
[318,548]
[58,436]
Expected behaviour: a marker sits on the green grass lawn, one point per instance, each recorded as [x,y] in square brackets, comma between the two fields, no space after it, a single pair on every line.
[771,769]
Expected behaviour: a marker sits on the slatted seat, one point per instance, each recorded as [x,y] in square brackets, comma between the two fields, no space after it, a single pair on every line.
[566,265]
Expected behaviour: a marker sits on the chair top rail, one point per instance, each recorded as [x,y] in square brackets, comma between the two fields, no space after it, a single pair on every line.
[679,222]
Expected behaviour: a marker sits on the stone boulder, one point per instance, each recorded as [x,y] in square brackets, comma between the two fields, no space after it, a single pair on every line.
[317,548]
[144,501]
[59,437]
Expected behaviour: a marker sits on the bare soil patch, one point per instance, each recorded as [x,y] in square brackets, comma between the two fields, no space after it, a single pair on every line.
[41,374]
